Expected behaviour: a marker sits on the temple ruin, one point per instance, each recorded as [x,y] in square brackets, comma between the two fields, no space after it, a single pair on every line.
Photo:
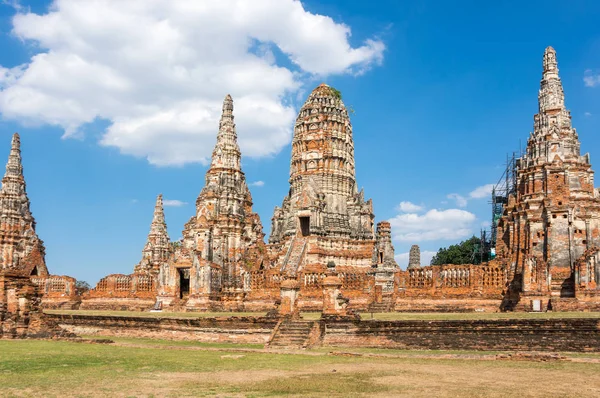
[549,233]
[325,250]
[24,277]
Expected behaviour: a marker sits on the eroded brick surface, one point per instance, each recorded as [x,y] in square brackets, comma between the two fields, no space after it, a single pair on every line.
[548,237]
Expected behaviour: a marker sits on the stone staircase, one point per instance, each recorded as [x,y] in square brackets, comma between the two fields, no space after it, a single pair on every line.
[386,305]
[291,334]
[295,255]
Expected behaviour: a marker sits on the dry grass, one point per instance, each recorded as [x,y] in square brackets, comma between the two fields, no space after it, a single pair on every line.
[51,368]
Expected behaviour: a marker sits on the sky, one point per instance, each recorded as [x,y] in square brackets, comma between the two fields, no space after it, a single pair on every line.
[117,102]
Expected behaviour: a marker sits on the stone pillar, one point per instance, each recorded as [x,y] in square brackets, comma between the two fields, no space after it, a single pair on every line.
[289,298]
[333,301]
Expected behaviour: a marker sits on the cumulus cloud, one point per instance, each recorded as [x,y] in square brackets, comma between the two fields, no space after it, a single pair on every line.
[257,184]
[484,191]
[450,224]
[409,207]
[173,203]
[591,79]
[460,200]
[157,71]
[426,256]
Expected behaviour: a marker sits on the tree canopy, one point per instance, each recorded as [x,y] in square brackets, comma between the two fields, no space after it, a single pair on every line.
[466,252]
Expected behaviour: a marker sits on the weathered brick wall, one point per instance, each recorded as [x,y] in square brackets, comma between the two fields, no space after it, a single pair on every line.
[58,291]
[231,329]
[501,334]
[20,312]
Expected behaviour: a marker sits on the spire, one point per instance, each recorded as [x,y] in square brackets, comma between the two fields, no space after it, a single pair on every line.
[157,248]
[227,152]
[158,226]
[13,181]
[551,95]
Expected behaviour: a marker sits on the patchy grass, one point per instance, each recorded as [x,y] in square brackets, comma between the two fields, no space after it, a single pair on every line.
[386,316]
[163,343]
[58,368]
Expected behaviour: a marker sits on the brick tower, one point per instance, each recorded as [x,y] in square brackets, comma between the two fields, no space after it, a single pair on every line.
[552,225]
[20,248]
[324,220]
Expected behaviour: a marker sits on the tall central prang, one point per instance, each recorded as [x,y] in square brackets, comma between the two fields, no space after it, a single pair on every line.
[324,220]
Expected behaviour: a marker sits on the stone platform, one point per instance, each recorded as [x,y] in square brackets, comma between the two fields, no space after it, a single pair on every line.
[553,335]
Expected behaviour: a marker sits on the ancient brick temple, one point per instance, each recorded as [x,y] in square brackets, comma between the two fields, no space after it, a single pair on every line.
[325,221]
[549,235]
[22,249]
[22,261]
[547,250]
[224,239]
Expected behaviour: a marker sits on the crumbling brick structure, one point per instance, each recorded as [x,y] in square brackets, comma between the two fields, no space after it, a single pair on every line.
[20,308]
[22,252]
[549,234]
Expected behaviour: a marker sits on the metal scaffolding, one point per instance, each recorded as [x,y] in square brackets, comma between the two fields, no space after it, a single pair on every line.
[506,186]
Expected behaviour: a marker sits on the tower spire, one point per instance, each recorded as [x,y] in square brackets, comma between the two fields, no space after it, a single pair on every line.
[227,152]
[20,247]
[551,96]
[158,219]
[13,181]
[156,251]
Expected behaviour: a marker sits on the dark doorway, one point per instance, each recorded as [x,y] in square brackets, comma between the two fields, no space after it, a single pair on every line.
[184,282]
[305,226]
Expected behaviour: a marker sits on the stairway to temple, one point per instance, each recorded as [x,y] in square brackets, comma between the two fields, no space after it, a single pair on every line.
[291,334]
[386,305]
[296,254]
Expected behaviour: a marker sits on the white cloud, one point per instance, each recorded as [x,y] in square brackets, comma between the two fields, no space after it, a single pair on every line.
[480,192]
[450,224]
[461,201]
[426,256]
[173,203]
[591,79]
[257,184]
[408,207]
[587,114]
[12,3]
[158,70]
[484,191]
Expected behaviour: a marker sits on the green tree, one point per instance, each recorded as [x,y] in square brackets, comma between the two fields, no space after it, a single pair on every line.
[466,252]
[82,287]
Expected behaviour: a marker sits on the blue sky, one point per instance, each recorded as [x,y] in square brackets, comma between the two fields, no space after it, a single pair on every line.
[117,105]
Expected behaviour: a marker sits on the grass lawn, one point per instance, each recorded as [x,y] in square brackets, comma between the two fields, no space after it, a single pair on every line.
[387,316]
[141,367]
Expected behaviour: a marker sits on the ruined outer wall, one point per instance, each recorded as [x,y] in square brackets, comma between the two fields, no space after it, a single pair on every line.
[500,334]
[58,291]
[243,330]
[134,292]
